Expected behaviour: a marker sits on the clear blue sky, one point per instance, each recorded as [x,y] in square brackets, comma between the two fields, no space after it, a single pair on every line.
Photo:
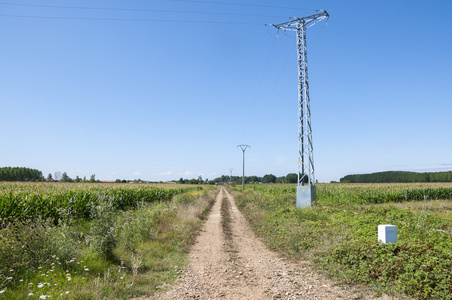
[159,90]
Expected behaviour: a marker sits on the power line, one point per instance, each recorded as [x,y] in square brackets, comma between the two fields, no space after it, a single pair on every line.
[259,90]
[271,93]
[138,9]
[130,19]
[243,4]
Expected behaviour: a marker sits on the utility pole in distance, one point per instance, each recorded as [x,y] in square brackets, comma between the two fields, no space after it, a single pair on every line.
[230,175]
[243,147]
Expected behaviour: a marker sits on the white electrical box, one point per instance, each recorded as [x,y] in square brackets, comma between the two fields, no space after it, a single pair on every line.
[387,234]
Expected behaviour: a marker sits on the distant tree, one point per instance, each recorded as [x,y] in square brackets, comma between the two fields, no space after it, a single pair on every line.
[57,176]
[292,178]
[193,181]
[92,178]
[281,179]
[250,179]
[200,181]
[65,177]
[269,178]
[77,179]
[49,176]
[118,181]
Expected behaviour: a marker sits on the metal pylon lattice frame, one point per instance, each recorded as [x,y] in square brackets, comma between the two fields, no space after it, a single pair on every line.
[306,174]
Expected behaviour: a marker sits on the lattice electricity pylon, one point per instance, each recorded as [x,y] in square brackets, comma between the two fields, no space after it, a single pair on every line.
[306,174]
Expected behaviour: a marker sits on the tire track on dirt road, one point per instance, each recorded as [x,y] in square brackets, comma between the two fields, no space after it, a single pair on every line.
[229,262]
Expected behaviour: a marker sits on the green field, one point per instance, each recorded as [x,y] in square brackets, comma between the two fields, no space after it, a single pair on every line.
[23,201]
[339,233]
[116,241]
[95,241]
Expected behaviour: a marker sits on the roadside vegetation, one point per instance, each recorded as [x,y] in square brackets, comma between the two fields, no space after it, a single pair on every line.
[99,242]
[339,233]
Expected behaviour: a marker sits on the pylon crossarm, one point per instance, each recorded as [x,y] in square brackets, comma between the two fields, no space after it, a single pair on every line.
[309,20]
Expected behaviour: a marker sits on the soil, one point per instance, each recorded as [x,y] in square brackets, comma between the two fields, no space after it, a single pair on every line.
[229,262]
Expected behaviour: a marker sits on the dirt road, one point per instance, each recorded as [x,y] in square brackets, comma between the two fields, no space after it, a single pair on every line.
[229,262]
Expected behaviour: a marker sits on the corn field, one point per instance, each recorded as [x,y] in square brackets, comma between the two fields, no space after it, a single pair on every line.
[56,201]
[368,193]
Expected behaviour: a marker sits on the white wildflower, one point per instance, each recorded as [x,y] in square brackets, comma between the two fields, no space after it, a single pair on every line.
[2,291]
[40,285]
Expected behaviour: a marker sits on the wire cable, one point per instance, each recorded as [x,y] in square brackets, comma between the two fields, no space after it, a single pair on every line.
[130,19]
[243,4]
[259,90]
[138,9]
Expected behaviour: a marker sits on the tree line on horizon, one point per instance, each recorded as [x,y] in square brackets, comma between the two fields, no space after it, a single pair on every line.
[20,174]
[268,178]
[29,174]
[398,176]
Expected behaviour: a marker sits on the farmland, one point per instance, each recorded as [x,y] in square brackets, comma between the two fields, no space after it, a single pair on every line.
[339,234]
[53,201]
[117,241]
[95,241]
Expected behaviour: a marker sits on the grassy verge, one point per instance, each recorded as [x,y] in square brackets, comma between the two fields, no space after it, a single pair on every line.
[341,238]
[116,255]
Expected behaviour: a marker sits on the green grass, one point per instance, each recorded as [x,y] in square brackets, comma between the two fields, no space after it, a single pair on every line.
[339,234]
[117,254]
